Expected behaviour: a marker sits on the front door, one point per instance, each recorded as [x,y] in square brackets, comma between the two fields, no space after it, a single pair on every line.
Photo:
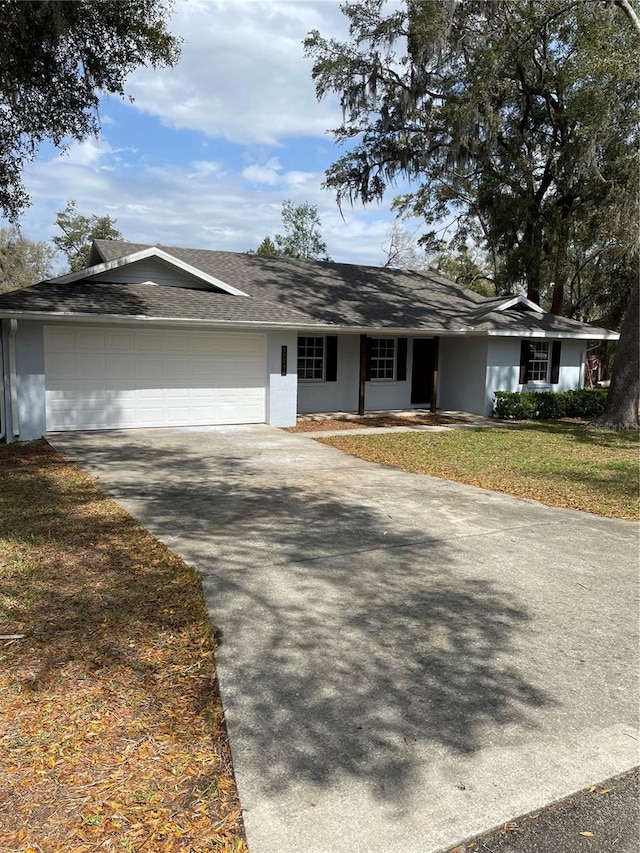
[423,375]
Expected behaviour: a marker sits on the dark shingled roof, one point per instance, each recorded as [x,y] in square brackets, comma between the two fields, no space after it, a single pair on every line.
[145,300]
[291,292]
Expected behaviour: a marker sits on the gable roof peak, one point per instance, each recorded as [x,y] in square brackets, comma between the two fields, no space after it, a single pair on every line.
[142,252]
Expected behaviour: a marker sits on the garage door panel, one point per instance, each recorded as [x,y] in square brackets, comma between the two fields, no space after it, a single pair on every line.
[148,368]
[90,341]
[124,340]
[123,378]
[91,365]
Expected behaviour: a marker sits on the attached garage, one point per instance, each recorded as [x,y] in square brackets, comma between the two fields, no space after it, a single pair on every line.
[110,377]
[146,336]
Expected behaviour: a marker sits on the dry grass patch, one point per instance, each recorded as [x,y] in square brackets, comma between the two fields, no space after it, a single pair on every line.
[113,734]
[562,465]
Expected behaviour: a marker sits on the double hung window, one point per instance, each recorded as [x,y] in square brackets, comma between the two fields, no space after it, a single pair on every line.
[382,356]
[539,361]
[311,359]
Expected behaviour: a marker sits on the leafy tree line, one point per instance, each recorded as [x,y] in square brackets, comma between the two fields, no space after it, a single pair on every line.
[24,261]
[514,121]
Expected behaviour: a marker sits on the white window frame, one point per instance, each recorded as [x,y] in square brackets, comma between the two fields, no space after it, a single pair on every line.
[538,363]
[378,360]
[312,358]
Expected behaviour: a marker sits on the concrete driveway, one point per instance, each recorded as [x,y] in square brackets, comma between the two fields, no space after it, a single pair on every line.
[405,661]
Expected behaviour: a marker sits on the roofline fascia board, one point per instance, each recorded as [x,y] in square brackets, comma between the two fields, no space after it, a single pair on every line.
[59,316]
[519,300]
[578,336]
[141,255]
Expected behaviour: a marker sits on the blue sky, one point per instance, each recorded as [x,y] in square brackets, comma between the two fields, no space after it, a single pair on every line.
[208,151]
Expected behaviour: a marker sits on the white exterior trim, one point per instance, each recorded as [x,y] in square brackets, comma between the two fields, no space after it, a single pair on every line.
[577,336]
[467,331]
[519,300]
[143,254]
[13,379]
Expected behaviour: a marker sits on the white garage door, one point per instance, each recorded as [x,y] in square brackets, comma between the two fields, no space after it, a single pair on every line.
[114,378]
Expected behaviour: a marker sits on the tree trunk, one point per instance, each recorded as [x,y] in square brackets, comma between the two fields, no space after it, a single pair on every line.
[560,276]
[623,400]
[531,254]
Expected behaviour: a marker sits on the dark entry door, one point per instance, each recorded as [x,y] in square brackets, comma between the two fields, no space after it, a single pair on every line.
[425,365]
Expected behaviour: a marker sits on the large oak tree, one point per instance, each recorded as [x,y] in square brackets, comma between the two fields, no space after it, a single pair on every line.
[56,58]
[515,118]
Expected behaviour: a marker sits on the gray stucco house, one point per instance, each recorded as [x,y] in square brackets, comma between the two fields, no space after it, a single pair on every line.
[152,336]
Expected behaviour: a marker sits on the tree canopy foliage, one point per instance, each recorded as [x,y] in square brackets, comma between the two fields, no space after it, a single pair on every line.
[519,119]
[302,237]
[56,59]
[516,118]
[23,261]
[79,232]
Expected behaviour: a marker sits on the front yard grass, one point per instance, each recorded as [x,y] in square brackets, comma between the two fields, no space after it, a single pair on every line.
[559,464]
[112,729]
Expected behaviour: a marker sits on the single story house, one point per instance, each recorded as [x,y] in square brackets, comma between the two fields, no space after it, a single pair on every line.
[148,336]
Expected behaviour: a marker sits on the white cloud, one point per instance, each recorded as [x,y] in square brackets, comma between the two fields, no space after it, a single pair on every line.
[207,208]
[299,179]
[242,75]
[90,152]
[207,167]
[255,174]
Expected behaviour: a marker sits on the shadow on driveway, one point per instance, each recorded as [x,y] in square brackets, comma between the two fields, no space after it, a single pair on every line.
[403,661]
[353,640]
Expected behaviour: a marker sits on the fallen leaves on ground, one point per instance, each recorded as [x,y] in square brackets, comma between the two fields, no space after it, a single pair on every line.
[565,465]
[321,423]
[113,734]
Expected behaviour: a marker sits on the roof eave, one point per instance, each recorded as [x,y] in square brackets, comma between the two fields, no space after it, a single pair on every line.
[310,326]
[590,335]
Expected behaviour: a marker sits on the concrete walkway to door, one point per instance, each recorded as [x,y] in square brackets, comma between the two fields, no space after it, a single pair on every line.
[405,661]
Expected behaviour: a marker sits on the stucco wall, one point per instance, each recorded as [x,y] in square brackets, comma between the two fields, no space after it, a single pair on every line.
[5,402]
[503,369]
[461,374]
[342,395]
[389,395]
[572,357]
[338,396]
[30,380]
[281,390]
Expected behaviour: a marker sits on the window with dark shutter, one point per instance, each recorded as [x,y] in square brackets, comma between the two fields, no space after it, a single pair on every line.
[382,358]
[367,372]
[536,363]
[311,352]
[331,369]
[555,362]
[525,348]
[401,366]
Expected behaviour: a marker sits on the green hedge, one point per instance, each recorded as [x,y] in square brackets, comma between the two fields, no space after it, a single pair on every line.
[547,405]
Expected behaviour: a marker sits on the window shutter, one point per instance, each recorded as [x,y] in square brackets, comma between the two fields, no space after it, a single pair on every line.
[401,366]
[525,355]
[331,367]
[555,362]
[368,366]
